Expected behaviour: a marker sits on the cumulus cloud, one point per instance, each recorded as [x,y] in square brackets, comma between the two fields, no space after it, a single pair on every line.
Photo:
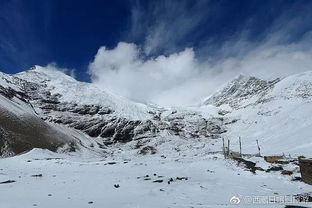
[180,79]
[185,75]
[125,71]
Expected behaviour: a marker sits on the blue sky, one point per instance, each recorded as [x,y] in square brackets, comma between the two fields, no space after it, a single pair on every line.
[160,51]
[70,32]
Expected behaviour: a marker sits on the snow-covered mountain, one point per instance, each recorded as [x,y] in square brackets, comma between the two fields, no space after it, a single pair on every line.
[99,138]
[273,112]
[276,113]
[57,98]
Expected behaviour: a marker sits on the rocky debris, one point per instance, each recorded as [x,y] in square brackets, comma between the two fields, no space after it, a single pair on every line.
[296,178]
[148,150]
[181,178]
[161,179]
[8,181]
[37,175]
[249,165]
[111,163]
[223,112]
[158,181]
[275,168]
[287,172]
[7,92]
[192,125]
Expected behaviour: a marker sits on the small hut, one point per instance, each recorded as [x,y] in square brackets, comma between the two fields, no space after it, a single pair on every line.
[306,170]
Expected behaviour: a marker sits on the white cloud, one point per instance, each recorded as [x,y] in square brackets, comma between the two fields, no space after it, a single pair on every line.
[124,71]
[185,75]
[180,79]
[53,66]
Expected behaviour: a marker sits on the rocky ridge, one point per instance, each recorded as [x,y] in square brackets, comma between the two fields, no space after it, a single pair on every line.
[58,98]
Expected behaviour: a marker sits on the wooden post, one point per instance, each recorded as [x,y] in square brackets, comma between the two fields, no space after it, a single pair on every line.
[223,148]
[228,150]
[240,147]
[258,147]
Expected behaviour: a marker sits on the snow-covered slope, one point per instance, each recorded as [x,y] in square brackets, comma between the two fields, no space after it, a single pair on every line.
[68,90]
[276,113]
[56,180]
[22,130]
[58,98]
[272,112]
[133,155]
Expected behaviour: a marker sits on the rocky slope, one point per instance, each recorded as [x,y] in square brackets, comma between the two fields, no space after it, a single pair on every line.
[47,109]
[22,130]
[276,113]
[272,112]
[59,99]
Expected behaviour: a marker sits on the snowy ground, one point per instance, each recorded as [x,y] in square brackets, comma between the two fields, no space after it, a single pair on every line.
[279,122]
[70,181]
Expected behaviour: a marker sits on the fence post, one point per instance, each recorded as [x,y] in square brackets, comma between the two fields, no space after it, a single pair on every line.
[223,148]
[228,150]
[240,146]
[258,147]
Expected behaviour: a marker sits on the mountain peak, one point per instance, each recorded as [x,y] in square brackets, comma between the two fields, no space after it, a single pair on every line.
[240,88]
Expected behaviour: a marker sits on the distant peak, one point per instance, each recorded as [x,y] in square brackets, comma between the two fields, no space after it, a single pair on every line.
[45,73]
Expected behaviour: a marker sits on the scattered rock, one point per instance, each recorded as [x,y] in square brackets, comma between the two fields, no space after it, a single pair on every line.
[148,150]
[37,175]
[158,181]
[170,180]
[251,166]
[8,181]
[274,168]
[182,178]
[286,172]
[282,162]
[296,178]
